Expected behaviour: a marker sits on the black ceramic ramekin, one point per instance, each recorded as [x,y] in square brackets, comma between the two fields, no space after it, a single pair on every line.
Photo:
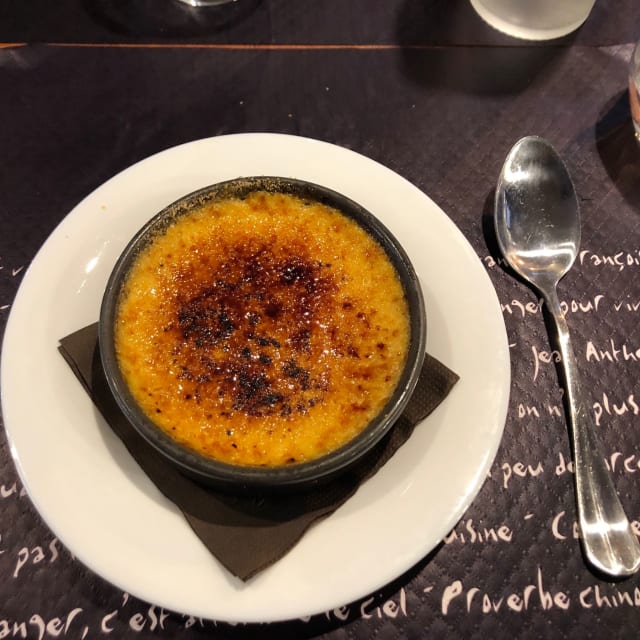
[301,476]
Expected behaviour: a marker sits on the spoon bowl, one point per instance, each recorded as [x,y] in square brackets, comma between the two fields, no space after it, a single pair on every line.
[544,244]
[537,222]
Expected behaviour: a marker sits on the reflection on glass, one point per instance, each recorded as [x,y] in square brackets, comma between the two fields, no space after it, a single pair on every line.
[634,89]
[205,3]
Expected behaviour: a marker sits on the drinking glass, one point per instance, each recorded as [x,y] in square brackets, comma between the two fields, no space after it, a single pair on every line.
[634,88]
[534,19]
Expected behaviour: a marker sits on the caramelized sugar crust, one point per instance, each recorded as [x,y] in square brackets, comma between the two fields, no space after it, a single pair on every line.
[264,331]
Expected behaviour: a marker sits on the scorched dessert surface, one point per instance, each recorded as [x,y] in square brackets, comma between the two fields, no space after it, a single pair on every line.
[262,331]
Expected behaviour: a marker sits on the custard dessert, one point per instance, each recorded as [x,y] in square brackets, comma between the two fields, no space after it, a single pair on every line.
[267,330]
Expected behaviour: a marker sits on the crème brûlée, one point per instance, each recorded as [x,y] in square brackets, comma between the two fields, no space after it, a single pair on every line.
[266,330]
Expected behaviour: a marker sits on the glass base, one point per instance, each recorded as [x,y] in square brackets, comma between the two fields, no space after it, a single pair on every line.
[205,3]
[529,21]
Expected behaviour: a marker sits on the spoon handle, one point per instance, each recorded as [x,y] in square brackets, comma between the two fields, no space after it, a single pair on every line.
[607,538]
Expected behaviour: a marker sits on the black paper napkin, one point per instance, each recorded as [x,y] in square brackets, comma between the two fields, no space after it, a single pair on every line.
[247,534]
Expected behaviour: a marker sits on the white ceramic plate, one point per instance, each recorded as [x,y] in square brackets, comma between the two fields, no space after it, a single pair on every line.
[112,518]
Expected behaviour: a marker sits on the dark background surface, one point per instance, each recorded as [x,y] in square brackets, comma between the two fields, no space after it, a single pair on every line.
[443,117]
[361,22]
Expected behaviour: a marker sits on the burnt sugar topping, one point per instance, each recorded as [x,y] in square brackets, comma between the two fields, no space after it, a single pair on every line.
[262,331]
[250,328]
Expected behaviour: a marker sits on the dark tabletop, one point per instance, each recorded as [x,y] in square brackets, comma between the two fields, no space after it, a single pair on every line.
[357,22]
[88,87]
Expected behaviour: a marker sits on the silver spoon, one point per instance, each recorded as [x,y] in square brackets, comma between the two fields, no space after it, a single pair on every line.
[537,223]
